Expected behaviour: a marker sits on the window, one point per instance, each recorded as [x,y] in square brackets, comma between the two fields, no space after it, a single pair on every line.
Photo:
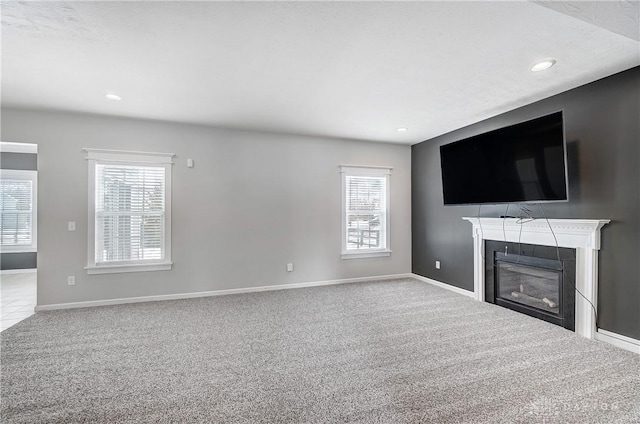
[18,209]
[365,211]
[129,211]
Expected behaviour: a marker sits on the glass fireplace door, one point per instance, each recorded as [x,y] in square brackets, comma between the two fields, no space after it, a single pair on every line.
[532,282]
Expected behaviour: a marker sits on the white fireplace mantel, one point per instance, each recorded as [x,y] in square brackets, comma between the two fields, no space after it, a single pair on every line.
[580,234]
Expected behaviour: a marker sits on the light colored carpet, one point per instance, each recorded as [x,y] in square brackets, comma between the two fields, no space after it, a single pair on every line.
[382,352]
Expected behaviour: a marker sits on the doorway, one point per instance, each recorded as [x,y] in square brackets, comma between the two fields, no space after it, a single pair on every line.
[18,232]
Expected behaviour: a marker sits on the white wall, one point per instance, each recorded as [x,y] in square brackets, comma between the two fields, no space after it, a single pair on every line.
[264,199]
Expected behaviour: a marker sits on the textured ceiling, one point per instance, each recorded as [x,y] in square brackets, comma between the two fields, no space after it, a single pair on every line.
[340,69]
[621,17]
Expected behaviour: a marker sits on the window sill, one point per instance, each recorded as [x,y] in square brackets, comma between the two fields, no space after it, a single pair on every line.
[363,255]
[115,269]
[18,249]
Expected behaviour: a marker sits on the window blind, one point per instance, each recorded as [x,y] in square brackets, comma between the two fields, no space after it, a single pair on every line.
[130,213]
[366,208]
[16,210]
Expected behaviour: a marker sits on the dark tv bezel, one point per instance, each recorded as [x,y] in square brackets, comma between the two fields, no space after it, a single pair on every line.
[566,165]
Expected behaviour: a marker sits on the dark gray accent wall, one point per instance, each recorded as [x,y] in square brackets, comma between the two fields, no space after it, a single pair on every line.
[22,161]
[602,127]
[26,260]
[26,162]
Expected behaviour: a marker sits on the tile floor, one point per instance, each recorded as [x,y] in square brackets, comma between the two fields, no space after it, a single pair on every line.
[17,298]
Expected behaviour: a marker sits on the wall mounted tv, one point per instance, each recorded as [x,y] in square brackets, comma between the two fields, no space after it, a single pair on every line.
[522,163]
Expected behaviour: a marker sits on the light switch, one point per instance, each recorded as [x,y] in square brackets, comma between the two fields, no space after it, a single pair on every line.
[72,225]
[189,163]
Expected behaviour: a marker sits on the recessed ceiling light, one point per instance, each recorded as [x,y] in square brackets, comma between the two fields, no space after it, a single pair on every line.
[114,97]
[402,129]
[542,65]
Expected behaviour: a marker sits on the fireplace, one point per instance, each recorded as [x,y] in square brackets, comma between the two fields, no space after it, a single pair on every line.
[581,236]
[531,280]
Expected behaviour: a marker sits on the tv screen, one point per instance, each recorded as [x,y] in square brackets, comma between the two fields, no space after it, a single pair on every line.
[522,163]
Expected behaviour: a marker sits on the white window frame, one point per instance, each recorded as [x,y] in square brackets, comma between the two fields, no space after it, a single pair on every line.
[118,157]
[19,174]
[371,171]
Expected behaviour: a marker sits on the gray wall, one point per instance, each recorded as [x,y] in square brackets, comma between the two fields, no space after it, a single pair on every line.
[28,162]
[602,128]
[252,203]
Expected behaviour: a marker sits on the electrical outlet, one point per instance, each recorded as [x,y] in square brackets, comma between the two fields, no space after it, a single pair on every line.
[289,267]
[71,280]
[71,225]
[437,264]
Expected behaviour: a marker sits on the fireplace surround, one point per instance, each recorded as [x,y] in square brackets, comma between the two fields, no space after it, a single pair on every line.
[583,235]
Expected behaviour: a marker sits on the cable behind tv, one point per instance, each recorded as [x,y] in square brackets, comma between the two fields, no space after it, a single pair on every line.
[481,231]
[595,312]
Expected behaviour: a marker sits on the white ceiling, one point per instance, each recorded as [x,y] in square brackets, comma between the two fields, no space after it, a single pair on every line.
[340,69]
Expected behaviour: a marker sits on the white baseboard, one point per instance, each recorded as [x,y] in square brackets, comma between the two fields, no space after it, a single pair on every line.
[177,296]
[444,285]
[618,340]
[18,271]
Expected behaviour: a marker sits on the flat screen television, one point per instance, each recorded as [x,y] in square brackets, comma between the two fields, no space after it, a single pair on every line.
[521,163]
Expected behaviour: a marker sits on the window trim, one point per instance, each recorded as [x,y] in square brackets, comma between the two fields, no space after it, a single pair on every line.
[372,171]
[21,174]
[121,157]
